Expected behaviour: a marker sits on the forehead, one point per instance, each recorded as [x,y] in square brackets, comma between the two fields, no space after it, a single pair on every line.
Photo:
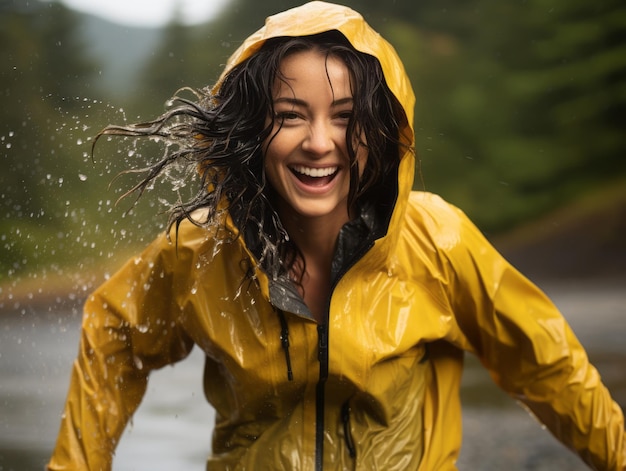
[313,70]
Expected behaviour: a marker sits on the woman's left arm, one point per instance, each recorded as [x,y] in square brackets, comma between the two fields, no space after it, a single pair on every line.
[531,351]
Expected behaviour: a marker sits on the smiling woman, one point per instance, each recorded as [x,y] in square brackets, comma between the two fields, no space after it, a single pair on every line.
[149,13]
[333,304]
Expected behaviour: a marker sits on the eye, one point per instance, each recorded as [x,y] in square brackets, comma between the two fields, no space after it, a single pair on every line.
[345,115]
[286,116]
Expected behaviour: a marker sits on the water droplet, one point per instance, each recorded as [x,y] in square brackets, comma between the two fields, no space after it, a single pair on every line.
[138,362]
[142,328]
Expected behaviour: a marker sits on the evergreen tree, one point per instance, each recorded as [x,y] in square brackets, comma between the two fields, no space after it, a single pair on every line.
[44,73]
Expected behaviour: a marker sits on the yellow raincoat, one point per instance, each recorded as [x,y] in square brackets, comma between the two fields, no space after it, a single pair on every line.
[377,386]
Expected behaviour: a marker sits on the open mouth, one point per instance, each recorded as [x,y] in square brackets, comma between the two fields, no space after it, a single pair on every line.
[314,176]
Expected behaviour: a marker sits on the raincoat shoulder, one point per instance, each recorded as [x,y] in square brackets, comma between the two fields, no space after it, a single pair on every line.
[132,324]
[516,331]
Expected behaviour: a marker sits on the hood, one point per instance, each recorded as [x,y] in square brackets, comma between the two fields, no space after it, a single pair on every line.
[317,17]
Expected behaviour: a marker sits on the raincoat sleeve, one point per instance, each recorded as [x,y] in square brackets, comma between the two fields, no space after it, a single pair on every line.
[530,350]
[130,326]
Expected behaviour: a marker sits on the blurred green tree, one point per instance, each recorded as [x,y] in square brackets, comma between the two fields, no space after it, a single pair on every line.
[520,108]
[520,105]
[44,77]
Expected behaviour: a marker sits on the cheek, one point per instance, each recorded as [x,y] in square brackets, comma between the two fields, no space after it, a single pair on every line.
[268,165]
[274,141]
[270,148]
[271,164]
[279,147]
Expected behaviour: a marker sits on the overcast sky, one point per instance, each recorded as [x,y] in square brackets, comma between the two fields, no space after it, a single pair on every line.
[149,12]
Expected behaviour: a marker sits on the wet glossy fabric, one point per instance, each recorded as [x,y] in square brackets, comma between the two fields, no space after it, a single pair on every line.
[400,320]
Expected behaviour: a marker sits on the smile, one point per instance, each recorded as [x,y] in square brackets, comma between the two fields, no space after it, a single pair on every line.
[314,172]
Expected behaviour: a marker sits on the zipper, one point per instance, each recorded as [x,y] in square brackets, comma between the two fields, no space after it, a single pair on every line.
[284,341]
[322,356]
[347,433]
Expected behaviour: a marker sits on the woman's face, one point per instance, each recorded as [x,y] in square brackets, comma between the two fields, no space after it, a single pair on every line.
[306,158]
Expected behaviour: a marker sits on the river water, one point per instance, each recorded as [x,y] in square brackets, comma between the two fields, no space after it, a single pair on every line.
[172,429]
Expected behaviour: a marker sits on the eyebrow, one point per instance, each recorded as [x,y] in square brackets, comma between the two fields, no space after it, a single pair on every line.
[299,102]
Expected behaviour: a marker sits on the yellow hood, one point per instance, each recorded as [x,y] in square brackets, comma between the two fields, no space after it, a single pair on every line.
[317,17]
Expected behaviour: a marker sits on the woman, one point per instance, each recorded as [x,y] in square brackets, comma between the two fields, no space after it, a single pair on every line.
[333,303]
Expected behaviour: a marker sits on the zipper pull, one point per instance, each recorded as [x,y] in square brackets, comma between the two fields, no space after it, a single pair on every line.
[345,418]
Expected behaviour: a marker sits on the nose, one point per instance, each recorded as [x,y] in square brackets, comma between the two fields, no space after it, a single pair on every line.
[320,139]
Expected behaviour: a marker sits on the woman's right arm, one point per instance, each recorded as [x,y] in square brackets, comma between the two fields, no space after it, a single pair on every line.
[131,325]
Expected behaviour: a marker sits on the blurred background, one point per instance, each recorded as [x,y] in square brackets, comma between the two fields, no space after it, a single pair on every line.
[520,121]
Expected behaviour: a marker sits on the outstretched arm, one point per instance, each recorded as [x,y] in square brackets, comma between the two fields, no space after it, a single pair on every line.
[130,326]
[531,351]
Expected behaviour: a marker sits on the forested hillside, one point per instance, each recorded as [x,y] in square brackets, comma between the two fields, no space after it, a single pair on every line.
[521,108]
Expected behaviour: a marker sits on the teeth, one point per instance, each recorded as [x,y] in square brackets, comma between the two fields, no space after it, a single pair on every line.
[315,172]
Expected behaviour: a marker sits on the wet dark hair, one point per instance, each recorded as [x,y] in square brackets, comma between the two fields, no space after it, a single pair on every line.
[221,135]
